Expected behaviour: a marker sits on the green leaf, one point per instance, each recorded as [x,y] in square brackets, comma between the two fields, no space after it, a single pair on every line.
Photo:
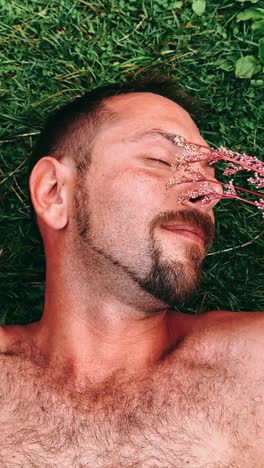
[246,66]
[177,5]
[250,13]
[226,65]
[252,1]
[257,83]
[199,6]
[261,50]
[258,26]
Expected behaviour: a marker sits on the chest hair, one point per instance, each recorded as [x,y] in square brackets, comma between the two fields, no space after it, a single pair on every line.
[194,408]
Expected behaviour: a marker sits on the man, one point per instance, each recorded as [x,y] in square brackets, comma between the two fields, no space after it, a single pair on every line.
[112,376]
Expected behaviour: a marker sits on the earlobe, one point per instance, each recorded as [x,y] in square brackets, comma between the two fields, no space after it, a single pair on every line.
[49,192]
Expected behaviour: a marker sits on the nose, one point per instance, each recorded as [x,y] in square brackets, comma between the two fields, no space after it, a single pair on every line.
[201,196]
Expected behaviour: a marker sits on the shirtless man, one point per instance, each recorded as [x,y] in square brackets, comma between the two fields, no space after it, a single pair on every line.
[111,376]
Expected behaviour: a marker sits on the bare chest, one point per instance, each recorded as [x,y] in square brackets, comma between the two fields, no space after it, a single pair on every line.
[191,414]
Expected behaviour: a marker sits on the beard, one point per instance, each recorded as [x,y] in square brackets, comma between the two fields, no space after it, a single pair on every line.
[174,282]
[167,282]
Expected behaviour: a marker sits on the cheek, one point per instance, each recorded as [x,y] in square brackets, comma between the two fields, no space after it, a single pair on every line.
[122,211]
[128,195]
[130,185]
[142,187]
[145,197]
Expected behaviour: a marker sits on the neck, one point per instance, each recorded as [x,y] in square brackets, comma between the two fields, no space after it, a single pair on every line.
[97,333]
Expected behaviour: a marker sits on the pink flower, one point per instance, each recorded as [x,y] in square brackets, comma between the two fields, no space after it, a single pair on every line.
[191,153]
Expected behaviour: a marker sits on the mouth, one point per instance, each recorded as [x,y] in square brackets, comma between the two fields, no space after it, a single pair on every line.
[189,233]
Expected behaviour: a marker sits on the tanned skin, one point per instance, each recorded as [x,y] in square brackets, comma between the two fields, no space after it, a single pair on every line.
[114,273]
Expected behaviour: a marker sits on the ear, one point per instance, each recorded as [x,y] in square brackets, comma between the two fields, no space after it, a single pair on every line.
[48,188]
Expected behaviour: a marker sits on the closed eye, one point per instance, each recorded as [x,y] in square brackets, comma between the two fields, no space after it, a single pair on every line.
[160,160]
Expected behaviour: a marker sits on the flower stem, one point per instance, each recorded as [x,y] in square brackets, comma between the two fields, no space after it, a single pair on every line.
[237,188]
[238,198]
[221,183]
[226,158]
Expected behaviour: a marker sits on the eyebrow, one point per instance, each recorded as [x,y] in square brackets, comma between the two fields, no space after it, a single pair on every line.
[154,132]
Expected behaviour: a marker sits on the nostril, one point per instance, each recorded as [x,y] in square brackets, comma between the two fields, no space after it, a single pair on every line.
[195,199]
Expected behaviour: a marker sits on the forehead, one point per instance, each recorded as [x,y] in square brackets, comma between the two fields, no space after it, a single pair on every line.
[143,111]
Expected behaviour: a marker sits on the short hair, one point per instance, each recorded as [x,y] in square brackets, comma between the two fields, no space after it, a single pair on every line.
[72,129]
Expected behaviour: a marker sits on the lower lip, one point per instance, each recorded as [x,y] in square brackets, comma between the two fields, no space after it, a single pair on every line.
[187,235]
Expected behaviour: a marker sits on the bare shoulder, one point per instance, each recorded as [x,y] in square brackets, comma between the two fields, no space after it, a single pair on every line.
[243,332]
[9,334]
[249,324]
[236,322]
[3,338]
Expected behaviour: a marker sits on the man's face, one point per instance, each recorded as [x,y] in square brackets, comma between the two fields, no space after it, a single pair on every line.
[122,203]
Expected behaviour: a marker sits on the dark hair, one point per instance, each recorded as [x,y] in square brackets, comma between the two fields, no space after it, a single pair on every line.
[72,129]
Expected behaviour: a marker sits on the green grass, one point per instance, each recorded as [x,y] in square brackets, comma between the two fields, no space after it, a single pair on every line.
[52,52]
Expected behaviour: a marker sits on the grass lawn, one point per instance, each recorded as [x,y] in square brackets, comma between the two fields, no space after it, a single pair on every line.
[53,51]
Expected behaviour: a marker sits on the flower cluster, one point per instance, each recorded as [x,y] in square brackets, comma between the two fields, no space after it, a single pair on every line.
[190,153]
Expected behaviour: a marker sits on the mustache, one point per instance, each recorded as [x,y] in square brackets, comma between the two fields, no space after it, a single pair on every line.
[191,217]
